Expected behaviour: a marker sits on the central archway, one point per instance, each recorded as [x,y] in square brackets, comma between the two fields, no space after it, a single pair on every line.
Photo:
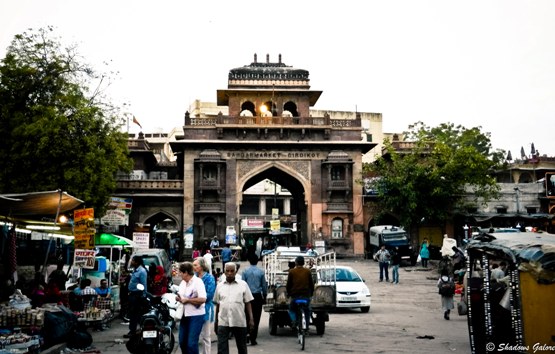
[291,202]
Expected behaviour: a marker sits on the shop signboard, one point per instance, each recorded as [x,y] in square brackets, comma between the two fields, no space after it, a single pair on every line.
[115,217]
[83,228]
[230,235]
[141,239]
[84,258]
[275,226]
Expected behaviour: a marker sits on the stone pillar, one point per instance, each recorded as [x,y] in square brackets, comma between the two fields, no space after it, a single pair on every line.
[287,206]
[262,206]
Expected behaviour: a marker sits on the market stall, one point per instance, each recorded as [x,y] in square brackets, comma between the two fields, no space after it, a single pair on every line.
[20,326]
[25,218]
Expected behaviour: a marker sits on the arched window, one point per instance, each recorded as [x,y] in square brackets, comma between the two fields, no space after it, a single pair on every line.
[525,178]
[291,107]
[247,106]
[337,228]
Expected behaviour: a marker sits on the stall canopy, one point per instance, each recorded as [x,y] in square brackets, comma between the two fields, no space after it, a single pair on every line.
[37,203]
[112,240]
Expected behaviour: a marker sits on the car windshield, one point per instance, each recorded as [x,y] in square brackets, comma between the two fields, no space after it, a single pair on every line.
[149,261]
[341,275]
[347,275]
[401,236]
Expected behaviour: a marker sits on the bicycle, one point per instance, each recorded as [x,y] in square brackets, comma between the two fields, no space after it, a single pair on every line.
[302,320]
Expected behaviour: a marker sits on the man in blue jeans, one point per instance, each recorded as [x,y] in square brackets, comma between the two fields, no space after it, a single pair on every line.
[226,255]
[383,257]
[137,277]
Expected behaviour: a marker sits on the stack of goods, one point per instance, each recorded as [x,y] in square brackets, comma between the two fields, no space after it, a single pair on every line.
[17,342]
[14,317]
[103,304]
[91,313]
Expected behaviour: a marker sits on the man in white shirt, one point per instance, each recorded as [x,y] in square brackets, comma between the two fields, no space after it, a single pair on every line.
[230,313]
[208,258]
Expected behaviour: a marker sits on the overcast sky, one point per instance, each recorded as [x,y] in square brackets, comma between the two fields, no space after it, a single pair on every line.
[474,63]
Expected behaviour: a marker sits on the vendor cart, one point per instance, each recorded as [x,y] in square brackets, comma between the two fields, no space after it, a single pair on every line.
[276,266]
[513,312]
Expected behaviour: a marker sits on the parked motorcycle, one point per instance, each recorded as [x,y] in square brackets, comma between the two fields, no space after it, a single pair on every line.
[174,306]
[155,333]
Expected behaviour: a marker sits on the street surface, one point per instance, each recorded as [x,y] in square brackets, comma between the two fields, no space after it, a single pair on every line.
[403,318]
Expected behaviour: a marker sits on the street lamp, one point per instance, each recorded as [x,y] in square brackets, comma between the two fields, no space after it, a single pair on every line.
[263,110]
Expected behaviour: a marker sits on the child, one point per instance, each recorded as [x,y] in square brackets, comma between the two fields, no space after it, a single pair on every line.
[446,287]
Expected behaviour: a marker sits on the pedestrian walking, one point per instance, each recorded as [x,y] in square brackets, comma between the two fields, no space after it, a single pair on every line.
[383,257]
[395,263]
[208,258]
[425,252]
[256,280]
[192,294]
[446,287]
[226,256]
[203,272]
[139,276]
[173,248]
[232,298]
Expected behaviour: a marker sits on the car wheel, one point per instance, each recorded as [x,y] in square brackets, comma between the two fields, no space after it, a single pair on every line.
[365,309]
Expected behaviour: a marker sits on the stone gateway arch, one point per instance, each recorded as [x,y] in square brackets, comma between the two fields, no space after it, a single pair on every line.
[268,134]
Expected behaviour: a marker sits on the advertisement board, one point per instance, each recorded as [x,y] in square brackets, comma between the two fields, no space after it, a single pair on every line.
[83,228]
[141,239]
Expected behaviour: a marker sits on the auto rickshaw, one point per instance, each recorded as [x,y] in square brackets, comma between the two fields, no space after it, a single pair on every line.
[514,312]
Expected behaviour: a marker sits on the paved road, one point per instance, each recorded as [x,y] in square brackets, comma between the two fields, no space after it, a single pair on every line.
[399,315]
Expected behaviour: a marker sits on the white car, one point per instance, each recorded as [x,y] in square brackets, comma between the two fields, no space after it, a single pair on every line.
[351,291]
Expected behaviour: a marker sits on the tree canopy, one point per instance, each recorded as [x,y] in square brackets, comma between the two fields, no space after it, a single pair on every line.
[430,178]
[57,131]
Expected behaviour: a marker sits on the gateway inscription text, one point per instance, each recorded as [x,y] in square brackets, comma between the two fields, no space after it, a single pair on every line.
[272,155]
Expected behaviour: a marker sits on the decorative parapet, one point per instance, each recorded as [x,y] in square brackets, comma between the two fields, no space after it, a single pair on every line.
[210,207]
[151,184]
[340,207]
[339,184]
[222,120]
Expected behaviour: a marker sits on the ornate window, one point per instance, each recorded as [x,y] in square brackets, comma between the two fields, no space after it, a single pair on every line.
[337,228]
[337,173]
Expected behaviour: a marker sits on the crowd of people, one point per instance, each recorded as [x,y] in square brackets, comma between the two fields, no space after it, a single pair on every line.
[451,269]
[230,304]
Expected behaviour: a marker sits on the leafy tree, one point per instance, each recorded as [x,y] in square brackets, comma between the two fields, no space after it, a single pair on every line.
[430,179]
[57,133]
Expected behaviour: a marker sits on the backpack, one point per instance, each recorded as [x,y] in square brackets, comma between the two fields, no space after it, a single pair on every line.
[447,288]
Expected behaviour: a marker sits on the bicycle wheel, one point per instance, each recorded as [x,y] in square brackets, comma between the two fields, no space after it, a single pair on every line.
[302,329]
